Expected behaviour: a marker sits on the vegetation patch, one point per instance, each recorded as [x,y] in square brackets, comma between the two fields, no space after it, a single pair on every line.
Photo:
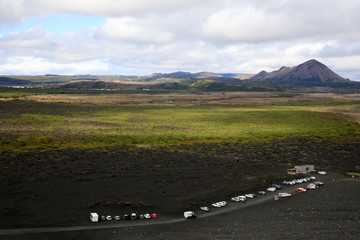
[28,125]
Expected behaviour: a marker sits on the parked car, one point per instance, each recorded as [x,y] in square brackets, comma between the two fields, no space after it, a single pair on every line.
[216,205]
[219,204]
[271,189]
[94,217]
[235,199]
[189,215]
[288,183]
[109,218]
[250,195]
[141,217]
[312,178]
[299,181]
[117,218]
[284,195]
[301,190]
[239,199]
[262,192]
[206,209]
[311,186]
[322,172]
[318,183]
[276,186]
[126,217]
[102,218]
[133,216]
[154,215]
[147,216]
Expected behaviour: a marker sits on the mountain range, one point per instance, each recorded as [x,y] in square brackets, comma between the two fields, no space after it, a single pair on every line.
[311,73]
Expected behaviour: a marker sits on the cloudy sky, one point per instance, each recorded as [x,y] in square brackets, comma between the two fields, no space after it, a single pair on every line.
[137,37]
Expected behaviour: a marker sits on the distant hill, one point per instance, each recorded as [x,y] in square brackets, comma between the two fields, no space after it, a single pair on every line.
[310,73]
[6,81]
[187,76]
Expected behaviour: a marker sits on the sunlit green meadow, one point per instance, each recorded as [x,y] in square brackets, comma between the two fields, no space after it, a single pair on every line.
[96,126]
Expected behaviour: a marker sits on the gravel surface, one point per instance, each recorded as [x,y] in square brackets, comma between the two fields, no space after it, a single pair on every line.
[60,188]
[330,212]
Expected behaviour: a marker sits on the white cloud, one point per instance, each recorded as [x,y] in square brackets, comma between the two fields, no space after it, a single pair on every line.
[247,25]
[116,7]
[37,66]
[283,21]
[15,11]
[145,36]
[134,30]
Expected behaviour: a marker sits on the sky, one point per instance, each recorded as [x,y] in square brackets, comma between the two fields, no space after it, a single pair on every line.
[139,37]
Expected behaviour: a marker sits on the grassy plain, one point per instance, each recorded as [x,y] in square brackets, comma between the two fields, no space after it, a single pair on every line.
[61,121]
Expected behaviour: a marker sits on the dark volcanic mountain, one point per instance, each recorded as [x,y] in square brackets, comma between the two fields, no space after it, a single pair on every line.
[311,72]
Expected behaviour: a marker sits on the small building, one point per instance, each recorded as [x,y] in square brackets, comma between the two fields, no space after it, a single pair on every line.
[301,169]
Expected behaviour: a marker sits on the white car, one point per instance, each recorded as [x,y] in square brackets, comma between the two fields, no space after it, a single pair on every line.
[311,186]
[134,216]
[239,199]
[322,172]
[262,192]
[216,205]
[312,178]
[284,195]
[271,189]
[223,203]
[189,215]
[147,216]
[206,209]
[219,204]
[299,181]
[318,183]
[109,218]
[250,195]
[289,183]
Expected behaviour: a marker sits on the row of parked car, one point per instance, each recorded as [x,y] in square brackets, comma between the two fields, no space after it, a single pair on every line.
[299,181]
[272,188]
[311,186]
[94,217]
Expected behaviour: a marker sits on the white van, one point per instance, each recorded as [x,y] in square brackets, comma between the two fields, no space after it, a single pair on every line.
[94,217]
[189,214]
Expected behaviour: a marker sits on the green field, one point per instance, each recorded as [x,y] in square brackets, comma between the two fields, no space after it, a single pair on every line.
[28,125]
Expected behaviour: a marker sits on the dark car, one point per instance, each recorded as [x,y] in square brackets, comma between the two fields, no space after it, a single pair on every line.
[126,217]
[102,218]
[276,186]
